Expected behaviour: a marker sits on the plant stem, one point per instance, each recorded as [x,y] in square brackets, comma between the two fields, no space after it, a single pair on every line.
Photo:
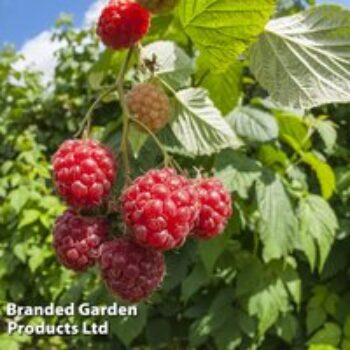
[155,138]
[86,123]
[126,114]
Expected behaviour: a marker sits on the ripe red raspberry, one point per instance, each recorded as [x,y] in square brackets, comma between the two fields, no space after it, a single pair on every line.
[77,239]
[84,172]
[150,105]
[216,208]
[161,208]
[130,271]
[122,24]
[158,6]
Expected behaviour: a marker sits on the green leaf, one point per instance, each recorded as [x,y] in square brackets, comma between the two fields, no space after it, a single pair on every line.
[8,342]
[129,328]
[198,125]
[228,336]
[37,257]
[137,139]
[28,217]
[224,29]
[18,198]
[318,222]
[265,290]
[254,125]
[219,313]
[271,156]
[194,281]
[323,347]
[172,65]
[276,231]
[224,86]
[210,251]
[330,334]
[287,327]
[158,332]
[304,60]
[236,171]
[327,131]
[324,172]
[292,130]
[108,60]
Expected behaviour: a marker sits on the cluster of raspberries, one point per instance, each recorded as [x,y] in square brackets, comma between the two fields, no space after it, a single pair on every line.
[160,210]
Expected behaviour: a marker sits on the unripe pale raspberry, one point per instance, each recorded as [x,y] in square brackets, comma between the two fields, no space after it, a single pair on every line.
[84,172]
[130,271]
[122,24]
[216,208]
[160,208]
[77,240]
[158,6]
[150,105]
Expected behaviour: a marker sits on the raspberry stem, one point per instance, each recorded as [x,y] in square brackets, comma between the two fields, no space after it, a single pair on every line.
[86,123]
[126,114]
[166,156]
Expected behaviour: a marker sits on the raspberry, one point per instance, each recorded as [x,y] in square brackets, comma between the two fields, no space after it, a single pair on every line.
[122,24]
[84,172]
[158,6]
[216,208]
[150,105]
[130,271]
[77,240]
[161,208]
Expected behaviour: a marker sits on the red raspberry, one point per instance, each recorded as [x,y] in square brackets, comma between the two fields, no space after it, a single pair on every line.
[158,6]
[77,239]
[130,271]
[122,24]
[216,208]
[161,208]
[84,172]
[150,105]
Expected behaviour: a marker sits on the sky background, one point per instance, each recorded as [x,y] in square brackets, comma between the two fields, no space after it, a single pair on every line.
[27,24]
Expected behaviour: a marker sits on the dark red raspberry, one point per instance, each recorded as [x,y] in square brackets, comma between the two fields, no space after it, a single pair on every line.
[216,208]
[130,271]
[77,240]
[160,207]
[84,172]
[122,24]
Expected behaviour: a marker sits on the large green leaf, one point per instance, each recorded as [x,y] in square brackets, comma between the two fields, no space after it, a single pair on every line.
[253,124]
[318,228]
[278,222]
[236,171]
[224,86]
[199,126]
[324,172]
[172,64]
[223,29]
[304,60]
[265,290]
